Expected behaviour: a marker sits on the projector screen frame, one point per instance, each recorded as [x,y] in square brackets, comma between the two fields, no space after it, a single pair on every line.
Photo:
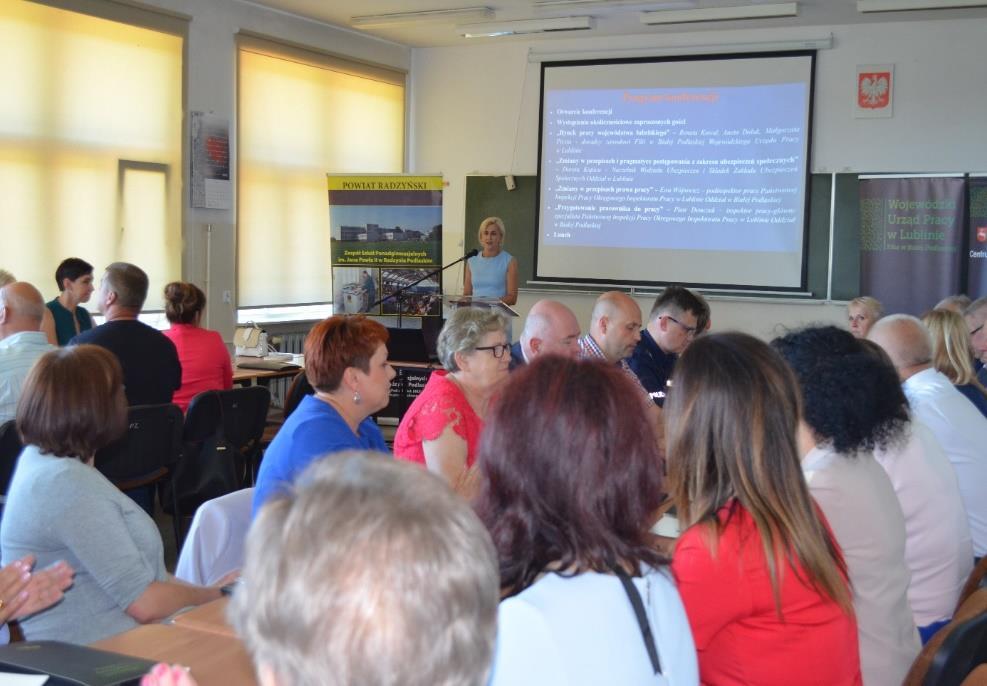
[796,290]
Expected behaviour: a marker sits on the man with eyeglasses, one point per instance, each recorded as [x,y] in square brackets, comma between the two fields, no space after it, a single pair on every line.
[976,316]
[676,317]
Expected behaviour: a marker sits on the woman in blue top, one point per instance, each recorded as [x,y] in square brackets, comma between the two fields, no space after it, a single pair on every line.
[346,363]
[492,273]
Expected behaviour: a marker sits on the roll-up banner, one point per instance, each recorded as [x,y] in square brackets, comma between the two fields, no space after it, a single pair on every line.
[385,233]
[912,239]
[977,238]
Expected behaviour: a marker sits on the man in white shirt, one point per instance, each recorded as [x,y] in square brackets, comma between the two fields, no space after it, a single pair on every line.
[21,341]
[956,423]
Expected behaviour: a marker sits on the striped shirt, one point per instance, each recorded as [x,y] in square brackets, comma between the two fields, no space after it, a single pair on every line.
[588,349]
[18,353]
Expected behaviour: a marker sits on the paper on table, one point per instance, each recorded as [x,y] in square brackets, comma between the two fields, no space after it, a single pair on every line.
[9,679]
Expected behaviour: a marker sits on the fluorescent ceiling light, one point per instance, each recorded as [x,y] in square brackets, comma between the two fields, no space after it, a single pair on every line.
[602,4]
[516,28]
[905,5]
[423,16]
[780,9]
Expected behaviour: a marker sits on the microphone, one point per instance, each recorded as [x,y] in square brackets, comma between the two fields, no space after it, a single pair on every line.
[472,253]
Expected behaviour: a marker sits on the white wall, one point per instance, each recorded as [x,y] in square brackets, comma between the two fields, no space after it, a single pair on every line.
[475,110]
[211,87]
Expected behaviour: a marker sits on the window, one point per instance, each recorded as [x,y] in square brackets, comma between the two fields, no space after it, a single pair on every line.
[90,143]
[302,115]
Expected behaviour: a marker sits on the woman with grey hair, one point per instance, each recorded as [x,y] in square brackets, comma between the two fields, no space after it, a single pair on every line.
[326,593]
[862,313]
[441,429]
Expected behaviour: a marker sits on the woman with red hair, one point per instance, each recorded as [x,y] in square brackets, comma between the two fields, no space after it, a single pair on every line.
[346,363]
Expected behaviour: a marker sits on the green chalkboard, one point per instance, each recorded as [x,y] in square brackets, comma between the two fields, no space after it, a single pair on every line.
[489,196]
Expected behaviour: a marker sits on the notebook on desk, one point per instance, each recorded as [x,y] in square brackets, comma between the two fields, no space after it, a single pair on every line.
[67,664]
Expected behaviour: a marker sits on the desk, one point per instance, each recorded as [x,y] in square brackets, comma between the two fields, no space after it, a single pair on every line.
[208,617]
[214,659]
[251,377]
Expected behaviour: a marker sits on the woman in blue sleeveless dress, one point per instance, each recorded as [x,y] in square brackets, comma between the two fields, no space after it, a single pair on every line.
[492,273]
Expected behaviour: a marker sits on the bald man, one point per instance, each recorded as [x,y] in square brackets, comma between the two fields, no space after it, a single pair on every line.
[955,421]
[614,330]
[22,342]
[551,327]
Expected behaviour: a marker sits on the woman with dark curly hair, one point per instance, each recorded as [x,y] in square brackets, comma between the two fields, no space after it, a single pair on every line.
[570,483]
[845,420]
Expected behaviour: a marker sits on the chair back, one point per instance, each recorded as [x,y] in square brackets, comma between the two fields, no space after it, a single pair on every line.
[244,412]
[149,449]
[299,388]
[956,650]
[977,579]
[10,450]
[207,468]
[215,543]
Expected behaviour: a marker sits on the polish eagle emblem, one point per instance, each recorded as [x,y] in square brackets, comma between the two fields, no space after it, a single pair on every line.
[874,90]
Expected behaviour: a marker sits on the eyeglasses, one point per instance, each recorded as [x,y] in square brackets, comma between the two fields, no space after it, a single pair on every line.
[690,331]
[497,350]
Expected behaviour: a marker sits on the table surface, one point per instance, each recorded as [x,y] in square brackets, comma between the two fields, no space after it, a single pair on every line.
[212,658]
[209,617]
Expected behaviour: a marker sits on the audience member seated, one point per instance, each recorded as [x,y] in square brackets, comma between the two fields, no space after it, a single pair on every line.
[862,312]
[845,421]
[673,324]
[21,341]
[959,428]
[550,327]
[75,285]
[441,428]
[954,303]
[369,571]
[204,358]
[938,547]
[60,506]
[568,490]
[762,578]
[975,316]
[614,332]
[952,355]
[47,321]
[151,370]
[346,363]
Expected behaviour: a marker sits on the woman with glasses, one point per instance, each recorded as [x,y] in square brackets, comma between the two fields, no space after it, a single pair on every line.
[442,427]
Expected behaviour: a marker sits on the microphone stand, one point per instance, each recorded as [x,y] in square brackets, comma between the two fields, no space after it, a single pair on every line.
[399,293]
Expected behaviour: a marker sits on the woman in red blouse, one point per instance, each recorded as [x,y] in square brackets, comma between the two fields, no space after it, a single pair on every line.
[205,360]
[762,579]
[441,428]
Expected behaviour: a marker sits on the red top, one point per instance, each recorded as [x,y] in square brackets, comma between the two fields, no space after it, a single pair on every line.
[739,637]
[205,362]
[440,404]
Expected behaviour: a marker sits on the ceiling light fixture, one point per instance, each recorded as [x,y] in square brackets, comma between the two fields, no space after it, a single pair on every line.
[603,4]
[779,9]
[906,5]
[423,16]
[525,26]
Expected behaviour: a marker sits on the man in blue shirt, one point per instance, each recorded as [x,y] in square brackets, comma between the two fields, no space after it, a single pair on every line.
[676,317]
